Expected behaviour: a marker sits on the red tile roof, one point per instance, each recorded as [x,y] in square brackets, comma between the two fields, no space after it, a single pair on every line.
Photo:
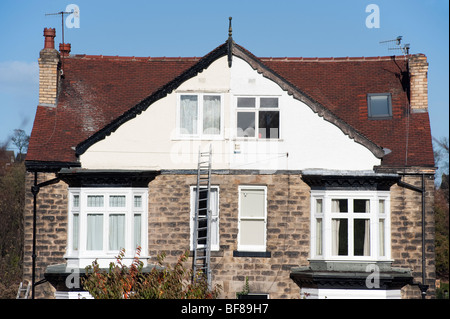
[97,90]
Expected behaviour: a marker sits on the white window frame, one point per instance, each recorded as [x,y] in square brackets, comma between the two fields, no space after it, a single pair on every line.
[129,211]
[255,248]
[200,134]
[374,216]
[215,244]
[256,110]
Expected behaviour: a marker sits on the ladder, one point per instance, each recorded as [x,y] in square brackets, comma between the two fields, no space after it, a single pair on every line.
[22,289]
[202,218]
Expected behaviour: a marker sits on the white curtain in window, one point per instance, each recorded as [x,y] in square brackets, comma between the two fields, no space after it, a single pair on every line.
[137,230]
[94,232]
[211,114]
[75,231]
[116,201]
[335,223]
[382,238]
[367,237]
[188,114]
[95,201]
[116,231]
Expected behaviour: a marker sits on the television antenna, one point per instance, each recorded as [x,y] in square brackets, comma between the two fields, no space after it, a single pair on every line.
[62,13]
[396,44]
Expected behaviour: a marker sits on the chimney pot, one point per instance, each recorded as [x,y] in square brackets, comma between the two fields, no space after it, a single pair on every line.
[49,34]
[64,49]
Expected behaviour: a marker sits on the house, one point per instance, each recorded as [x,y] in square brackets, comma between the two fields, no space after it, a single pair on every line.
[322,170]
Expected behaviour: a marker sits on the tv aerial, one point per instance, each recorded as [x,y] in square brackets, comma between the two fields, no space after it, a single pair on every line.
[396,44]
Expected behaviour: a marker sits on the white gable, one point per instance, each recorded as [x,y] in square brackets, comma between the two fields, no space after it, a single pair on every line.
[152,139]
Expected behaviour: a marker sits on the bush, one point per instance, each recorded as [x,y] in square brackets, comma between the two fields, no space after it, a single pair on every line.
[162,282]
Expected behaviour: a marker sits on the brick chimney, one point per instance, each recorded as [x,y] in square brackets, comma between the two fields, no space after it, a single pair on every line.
[49,69]
[64,49]
[418,70]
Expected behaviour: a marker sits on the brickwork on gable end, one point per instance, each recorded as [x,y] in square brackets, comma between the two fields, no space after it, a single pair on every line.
[51,230]
[406,233]
[288,233]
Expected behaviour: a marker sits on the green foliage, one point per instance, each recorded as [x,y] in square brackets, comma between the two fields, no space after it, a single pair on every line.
[12,201]
[162,282]
[245,290]
[442,292]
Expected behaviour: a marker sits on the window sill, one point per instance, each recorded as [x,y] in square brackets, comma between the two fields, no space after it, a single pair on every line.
[259,254]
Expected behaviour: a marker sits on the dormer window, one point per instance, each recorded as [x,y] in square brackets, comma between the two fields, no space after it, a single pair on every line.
[379,105]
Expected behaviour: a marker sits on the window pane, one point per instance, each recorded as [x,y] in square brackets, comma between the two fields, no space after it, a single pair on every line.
[137,201]
[188,114]
[361,206]
[382,239]
[381,206]
[339,241]
[117,201]
[268,102]
[76,201]
[246,102]
[319,206]
[75,231]
[252,203]
[269,124]
[339,206]
[94,232]
[137,230]
[95,201]
[211,114]
[246,124]
[252,232]
[116,232]
[361,237]
[319,236]
[379,105]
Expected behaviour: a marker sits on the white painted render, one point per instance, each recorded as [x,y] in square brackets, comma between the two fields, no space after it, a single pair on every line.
[151,140]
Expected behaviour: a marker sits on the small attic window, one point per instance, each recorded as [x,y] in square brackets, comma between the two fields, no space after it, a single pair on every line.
[379,105]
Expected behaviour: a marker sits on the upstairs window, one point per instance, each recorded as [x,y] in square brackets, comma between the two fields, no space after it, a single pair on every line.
[200,115]
[258,117]
[379,105]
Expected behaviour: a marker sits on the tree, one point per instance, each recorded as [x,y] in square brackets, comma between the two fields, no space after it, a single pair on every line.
[20,139]
[12,202]
[441,209]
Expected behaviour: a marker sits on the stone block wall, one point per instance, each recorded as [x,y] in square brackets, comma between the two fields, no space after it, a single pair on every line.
[287,230]
[51,230]
[288,233]
[406,233]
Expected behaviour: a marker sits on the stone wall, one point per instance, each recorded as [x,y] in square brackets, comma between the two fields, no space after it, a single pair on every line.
[51,230]
[406,232]
[287,230]
[288,234]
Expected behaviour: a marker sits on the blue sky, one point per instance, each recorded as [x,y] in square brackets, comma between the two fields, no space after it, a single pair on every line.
[320,28]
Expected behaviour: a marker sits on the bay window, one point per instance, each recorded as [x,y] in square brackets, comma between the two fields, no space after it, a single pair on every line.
[350,225]
[102,221]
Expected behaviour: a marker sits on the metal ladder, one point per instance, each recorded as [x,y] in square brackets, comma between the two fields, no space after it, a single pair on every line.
[21,289]
[202,218]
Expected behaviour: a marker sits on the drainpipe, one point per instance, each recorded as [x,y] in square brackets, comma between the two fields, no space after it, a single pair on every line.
[422,286]
[35,190]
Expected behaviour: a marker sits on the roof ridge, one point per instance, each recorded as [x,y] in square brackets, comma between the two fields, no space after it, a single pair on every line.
[334,59]
[131,58]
